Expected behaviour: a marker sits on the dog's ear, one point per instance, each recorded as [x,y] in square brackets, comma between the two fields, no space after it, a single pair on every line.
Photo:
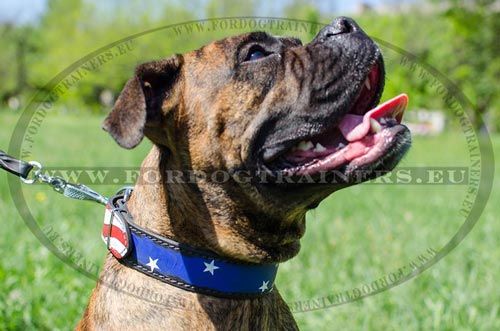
[140,102]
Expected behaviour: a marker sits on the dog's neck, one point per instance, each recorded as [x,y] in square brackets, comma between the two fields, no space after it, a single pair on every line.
[186,212]
[153,209]
[186,220]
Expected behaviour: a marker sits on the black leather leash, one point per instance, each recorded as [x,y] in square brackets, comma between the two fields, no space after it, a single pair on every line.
[14,166]
[23,169]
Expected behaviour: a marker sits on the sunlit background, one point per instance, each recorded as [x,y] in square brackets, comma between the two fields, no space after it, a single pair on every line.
[432,49]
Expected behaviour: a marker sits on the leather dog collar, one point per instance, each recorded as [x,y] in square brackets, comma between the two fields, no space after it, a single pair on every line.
[177,264]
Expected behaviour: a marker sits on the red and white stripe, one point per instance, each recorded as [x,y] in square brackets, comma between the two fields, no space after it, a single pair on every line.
[114,234]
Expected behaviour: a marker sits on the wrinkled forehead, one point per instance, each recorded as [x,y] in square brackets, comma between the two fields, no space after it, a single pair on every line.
[231,47]
[263,38]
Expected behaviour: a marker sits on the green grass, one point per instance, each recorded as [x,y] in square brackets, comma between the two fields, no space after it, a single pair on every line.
[355,237]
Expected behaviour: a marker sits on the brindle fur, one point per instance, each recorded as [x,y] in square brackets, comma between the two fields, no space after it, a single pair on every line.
[210,110]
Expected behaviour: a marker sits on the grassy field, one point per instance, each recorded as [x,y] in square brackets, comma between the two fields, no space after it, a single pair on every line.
[356,237]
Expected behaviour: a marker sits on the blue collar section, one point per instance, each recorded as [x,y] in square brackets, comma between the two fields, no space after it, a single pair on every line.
[180,265]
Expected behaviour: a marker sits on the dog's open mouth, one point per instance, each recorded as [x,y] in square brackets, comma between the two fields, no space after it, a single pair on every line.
[362,136]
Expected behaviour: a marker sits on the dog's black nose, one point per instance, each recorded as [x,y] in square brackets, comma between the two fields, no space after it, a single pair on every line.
[340,25]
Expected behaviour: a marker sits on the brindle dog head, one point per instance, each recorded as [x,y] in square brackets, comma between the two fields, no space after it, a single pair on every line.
[276,116]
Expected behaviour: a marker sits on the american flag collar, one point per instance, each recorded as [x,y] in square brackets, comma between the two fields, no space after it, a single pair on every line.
[178,264]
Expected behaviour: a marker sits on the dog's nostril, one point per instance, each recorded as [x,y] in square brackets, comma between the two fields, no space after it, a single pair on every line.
[341,25]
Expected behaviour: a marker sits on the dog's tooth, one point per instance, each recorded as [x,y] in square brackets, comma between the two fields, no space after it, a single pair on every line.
[319,148]
[305,146]
[375,126]
[367,84]
[340,146]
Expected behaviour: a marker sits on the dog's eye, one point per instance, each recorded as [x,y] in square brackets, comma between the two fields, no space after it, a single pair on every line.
[256,53]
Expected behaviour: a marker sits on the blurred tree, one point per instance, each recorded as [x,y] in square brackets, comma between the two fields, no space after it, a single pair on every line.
[474,53]
[61,38]
[72,29]
[458,38]
[16,44]
[8,73]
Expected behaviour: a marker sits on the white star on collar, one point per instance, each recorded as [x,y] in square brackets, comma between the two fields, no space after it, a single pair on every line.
[210,267]
[265,286]
[153,264]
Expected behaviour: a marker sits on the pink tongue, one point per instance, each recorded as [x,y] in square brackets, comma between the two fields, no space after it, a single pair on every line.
[356,127]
